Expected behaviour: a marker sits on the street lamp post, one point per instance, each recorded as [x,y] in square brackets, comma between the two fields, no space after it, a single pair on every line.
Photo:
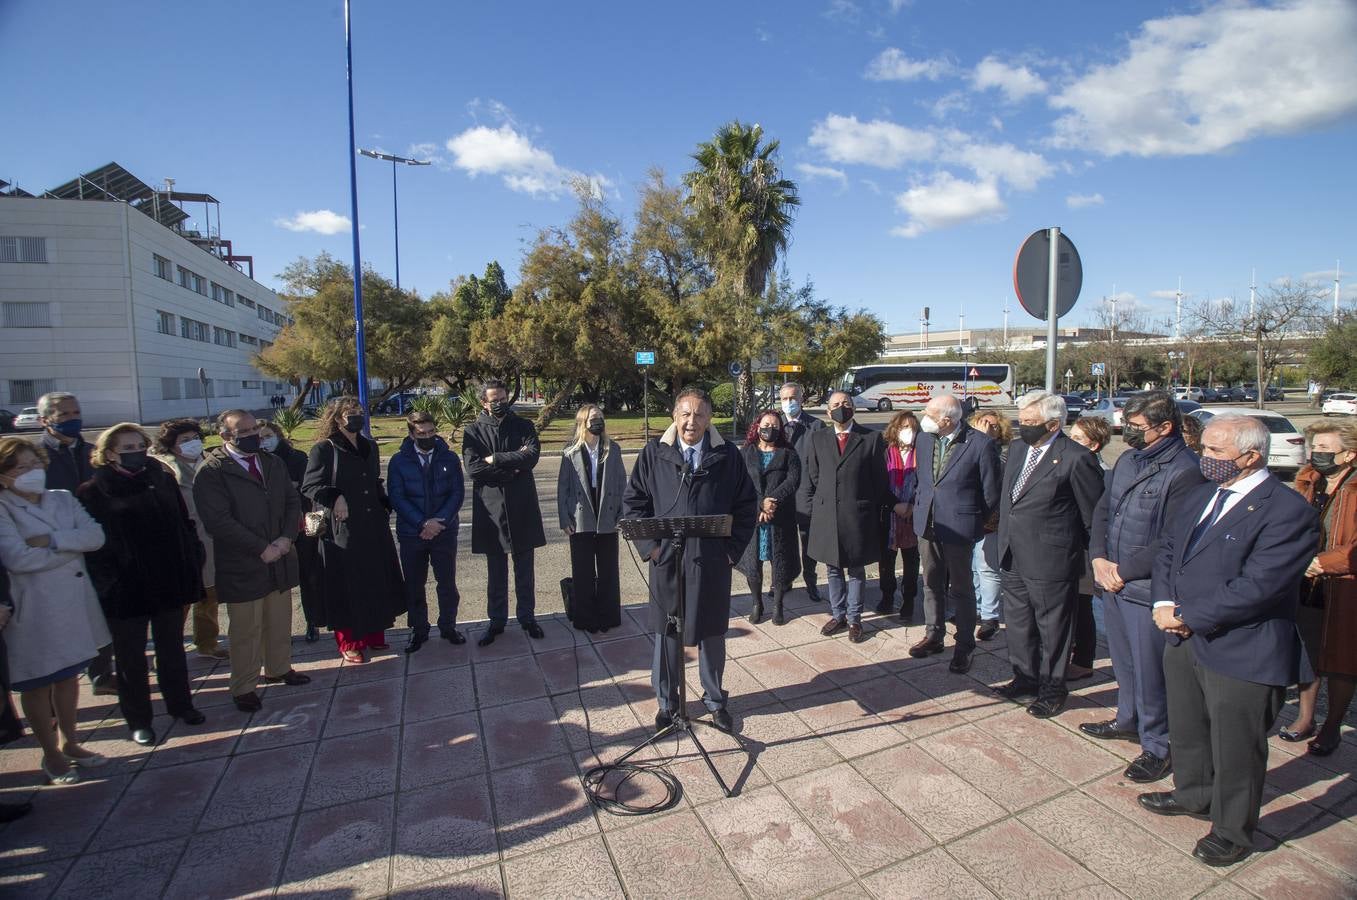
[359,342]
[395,207]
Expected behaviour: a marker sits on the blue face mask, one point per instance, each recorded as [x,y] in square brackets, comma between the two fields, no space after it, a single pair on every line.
[70,428]
[792,408]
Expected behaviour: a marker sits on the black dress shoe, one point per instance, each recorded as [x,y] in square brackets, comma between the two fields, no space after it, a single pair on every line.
[721,719]
[961,661]
[191,716]
[491,633]
[1147,767]
[1016,690]
[534,630]
[143,736]
[11,811]
[1318,748]
[1046,707]
[886,606]
[855,633]
[813,593]
[1162,803]
[987,630]
[291,678]
[312,634]
[927,647]
[453,636]
[1215,850]
[1108,731]
[416,641]
[663,720]
[105,686]
[248,702]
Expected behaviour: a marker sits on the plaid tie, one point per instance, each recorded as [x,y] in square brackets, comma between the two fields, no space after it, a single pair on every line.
[1033,457]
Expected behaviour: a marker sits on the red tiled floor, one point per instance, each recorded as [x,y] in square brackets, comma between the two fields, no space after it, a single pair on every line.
[1015,862]
[160,804]
[365,707]
[440,692]
[629,657]
[520,732]
[944,804]
[581,869]
[243,861]
[443,830]
[502,681]
[259,786]
[353,767]
[1289,874]
[117,874]
[343,849]
[926,876]
[1001,773]
[671,856]
[440,750]
[540,805]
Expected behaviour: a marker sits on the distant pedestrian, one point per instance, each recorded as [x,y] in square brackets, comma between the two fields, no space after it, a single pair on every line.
[589,486]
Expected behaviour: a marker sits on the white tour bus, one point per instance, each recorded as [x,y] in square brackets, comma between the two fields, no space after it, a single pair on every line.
[909,385]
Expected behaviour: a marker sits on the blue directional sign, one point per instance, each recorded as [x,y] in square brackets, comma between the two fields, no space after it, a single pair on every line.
[645,357]
[735,369]
[1099,369]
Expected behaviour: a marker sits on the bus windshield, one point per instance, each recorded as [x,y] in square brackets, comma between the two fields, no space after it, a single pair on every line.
[911,385]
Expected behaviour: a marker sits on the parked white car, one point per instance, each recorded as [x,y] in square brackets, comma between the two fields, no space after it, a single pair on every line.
[1286,454]
[27,419]
[1340,405]
[1186,392]
[1108,408]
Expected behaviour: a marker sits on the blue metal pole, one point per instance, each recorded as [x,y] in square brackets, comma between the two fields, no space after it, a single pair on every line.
[359,345]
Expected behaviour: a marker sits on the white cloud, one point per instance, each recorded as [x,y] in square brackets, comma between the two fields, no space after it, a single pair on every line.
[1323,275]
[946,201]
[1080,201]
[879,143]
[1196,84]
[891,64]
[843,11]
[1014,82]
[810,172]
[1168,294]
[321,221]
[954,101]
[523,166]
[762,35]
[1021,169]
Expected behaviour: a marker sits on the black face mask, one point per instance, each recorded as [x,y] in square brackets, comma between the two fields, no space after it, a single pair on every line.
[499,409]
[425,443]
[841,414]
[595,427]
[132,460]
[1133,436]
[768,434]
[1033,434]
[247,443]
[1324,462]
[353,423]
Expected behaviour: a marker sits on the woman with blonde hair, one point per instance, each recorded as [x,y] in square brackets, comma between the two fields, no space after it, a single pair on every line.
[362,589]
[55,627]
[589,488]
[151,561]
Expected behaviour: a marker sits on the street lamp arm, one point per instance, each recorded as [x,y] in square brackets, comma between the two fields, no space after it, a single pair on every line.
[374,154]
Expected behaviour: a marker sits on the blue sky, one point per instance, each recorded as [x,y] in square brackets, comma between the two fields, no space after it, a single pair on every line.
[929,138]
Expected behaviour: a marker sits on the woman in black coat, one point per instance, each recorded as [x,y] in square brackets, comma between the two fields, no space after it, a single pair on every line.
[272,440]
[150,562]
[775,469]
[362,590]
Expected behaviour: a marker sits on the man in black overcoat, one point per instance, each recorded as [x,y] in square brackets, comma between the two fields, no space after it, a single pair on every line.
[500,451]
[798,425]
[691,471]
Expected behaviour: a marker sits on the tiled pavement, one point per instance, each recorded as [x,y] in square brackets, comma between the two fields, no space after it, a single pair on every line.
[454,773]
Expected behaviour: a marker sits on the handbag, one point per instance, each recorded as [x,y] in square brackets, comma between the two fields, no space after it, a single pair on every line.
[316,524]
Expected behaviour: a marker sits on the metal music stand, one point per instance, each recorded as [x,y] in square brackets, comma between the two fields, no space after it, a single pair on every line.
[677,529]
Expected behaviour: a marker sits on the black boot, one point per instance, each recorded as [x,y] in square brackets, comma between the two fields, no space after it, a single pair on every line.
[778,618]
[756,607]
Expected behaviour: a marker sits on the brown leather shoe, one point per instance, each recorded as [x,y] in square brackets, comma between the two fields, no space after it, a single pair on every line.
[926,647]
[832,626]
[855,634]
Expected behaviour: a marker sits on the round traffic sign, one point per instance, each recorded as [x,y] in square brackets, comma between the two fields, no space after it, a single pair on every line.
[1031,274]
[735,369]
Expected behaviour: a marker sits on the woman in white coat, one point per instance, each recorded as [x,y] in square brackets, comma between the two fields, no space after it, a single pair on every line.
[57,626]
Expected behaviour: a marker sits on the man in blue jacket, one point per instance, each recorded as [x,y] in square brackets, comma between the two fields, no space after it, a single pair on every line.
[1144,492]
[424,482]
[1226,584]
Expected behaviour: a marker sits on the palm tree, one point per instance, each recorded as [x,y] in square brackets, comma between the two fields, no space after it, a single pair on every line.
[744,210]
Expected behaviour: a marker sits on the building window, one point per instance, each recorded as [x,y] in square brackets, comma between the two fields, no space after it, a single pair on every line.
[169,389]
[27,315]
[23,249]
[193,389]
[164,322]
[223,295]
[249,385]
[227,388]
[28,390]
[245,301]
[249,339]
[184,277]
[162,267]
[223,337]
[194,330]
[199,284]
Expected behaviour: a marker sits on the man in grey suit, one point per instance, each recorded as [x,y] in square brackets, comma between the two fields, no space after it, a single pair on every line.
[1051,487]
[798,425]
[958,471]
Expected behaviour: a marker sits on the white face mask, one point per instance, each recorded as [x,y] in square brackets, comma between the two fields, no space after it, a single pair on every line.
[34,481]
[906,437]
[927,424]
[268,444]
[191,449]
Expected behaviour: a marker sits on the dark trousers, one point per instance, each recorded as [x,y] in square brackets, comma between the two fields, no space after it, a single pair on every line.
[755,583]
[597,592]
[667,670]
[1084,649]
[497,587]
[1137,648]
[102,664]
[807,564]
[171,668]
[417,555]
[908,582]
[1039,616]
[947,576]
[1220,727]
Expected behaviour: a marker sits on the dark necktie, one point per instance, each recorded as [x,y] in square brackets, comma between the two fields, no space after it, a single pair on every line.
[1205,524]
[1033,457]
[252,464]
[843,441]
[690,457]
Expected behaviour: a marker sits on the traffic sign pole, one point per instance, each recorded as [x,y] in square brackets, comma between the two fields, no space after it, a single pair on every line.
[1052,308]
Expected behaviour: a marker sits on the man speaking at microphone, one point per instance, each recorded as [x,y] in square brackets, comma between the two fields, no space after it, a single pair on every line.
[691,471]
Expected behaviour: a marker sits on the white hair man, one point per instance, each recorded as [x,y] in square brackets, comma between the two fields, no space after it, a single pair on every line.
[1050,489]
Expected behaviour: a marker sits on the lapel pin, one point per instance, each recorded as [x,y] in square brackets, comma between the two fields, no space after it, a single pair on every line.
[1251,508]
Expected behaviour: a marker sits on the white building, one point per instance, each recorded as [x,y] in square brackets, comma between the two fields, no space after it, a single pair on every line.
[112,299]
